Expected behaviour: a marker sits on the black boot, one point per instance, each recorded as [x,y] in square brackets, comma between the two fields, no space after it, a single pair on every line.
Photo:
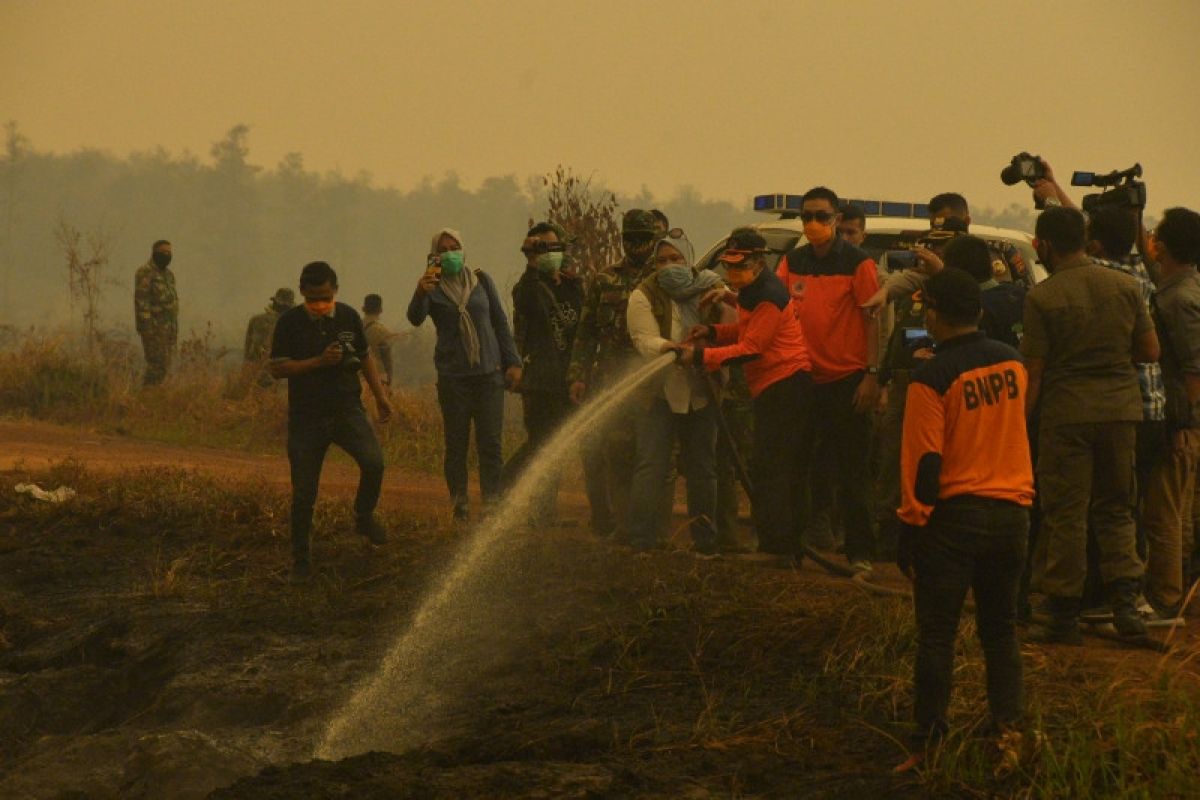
[1063,626]
[1126,619]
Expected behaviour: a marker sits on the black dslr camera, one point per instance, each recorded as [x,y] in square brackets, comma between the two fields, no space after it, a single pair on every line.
[1126,192]
[1023,167]
[351,361]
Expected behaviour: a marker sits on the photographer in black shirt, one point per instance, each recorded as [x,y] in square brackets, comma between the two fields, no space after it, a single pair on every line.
[320,347]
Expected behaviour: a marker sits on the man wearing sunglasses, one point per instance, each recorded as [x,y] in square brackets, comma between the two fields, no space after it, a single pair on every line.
[830,279]
[546,305]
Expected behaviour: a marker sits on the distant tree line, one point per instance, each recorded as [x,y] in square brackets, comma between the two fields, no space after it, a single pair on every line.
[241,230]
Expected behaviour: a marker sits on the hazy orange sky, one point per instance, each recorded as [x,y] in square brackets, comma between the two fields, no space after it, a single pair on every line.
[873,98]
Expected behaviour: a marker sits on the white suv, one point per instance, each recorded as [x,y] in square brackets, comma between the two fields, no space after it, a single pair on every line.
[887,222]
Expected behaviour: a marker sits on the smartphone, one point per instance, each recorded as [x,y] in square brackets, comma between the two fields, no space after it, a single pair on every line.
[433,266]
[915,335]
[900,260]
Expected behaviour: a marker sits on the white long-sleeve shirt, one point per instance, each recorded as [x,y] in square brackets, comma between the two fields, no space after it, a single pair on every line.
[681,387]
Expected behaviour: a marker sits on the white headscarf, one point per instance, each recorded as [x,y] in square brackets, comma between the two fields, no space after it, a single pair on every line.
[458,291]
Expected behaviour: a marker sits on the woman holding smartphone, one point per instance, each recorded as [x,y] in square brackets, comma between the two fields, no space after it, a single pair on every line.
[476,359]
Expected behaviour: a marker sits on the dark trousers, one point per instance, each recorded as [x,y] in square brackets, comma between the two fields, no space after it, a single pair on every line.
[543,413]
[833,406]
[308,441]
[978,544]
[658,429]
[779,463]
[477,399]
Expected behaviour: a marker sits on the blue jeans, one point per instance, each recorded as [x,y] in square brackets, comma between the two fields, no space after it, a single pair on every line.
[308,440]
[466,399]
[978,544]
[658,428]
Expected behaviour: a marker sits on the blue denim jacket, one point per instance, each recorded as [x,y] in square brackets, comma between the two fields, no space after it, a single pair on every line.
[497,351]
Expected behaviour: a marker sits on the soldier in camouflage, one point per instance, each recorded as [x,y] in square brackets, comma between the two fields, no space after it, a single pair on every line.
[258,336]
[156,312]
[601,352]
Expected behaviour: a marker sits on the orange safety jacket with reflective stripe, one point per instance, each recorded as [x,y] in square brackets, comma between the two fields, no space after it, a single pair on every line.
[964,428]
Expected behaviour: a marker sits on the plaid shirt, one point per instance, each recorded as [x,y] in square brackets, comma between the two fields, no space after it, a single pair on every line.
[1150,377]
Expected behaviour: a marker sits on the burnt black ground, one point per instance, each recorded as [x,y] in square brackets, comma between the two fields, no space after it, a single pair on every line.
[152,647]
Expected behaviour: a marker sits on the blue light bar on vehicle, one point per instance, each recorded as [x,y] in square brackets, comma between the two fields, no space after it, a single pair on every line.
[789,205]
[891,208]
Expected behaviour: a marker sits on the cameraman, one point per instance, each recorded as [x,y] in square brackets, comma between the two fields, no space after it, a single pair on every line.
[318,348]
[948,211]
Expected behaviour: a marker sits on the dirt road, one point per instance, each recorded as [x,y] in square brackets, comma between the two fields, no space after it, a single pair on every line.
[38,445]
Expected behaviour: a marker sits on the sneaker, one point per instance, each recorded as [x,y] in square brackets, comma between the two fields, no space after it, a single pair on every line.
[461,512]
[861,567]
[375,533]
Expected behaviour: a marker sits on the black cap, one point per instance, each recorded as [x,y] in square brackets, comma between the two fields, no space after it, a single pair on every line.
[373,304]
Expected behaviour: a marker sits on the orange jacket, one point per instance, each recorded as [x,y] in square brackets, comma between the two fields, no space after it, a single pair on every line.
[964,428]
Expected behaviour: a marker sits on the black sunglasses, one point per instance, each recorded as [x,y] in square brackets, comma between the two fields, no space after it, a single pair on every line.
[820,216]
[542,246]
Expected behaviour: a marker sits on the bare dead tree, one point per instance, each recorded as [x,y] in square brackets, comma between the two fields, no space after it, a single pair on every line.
[87,260]
[590,218]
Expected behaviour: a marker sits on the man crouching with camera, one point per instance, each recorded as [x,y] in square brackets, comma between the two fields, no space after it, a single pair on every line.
[320,347]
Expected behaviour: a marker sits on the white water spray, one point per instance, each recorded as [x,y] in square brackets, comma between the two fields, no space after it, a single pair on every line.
[397,707]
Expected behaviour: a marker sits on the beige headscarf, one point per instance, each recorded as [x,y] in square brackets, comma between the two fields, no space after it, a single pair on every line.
[458,291]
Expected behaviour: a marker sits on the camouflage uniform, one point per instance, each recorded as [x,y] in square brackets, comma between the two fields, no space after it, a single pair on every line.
[259,331]
[601,352]
[156,317]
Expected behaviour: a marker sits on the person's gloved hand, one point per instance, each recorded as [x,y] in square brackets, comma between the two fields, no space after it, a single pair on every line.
[904,549]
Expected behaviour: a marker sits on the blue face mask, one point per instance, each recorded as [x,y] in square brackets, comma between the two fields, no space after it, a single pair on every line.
[452,262]
[675,277]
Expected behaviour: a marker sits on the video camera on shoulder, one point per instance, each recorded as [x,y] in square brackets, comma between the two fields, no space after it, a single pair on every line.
[1126,192]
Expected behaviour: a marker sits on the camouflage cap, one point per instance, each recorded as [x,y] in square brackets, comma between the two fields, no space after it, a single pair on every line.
[284,297]
[637,220]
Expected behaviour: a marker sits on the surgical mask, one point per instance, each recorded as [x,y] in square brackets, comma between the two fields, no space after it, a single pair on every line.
[676,275]
[161,260]
[452,262]
[818,234]
[739,277]
[319,308]
[548,263]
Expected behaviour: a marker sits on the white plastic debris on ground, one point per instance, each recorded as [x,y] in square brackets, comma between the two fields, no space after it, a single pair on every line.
[59,495]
